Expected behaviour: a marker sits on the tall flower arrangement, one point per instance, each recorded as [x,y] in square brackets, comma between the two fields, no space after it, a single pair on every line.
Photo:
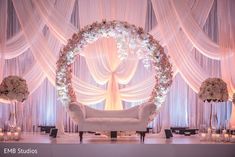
[14,88]
[214,89]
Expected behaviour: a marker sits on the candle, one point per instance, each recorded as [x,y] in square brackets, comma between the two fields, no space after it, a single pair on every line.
[232,138]
[18,129]
[1,136]
[203,137]
[209,130]
[226,137]
[218,137]
[224,131]
[213,136]
[16,136]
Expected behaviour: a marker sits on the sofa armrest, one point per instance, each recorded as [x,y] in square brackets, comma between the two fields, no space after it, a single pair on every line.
[146,110]
[77,111]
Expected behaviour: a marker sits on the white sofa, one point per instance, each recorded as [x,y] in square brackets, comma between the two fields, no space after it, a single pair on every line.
[133,119]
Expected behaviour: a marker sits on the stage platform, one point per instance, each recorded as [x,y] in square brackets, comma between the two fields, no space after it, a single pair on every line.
[68,145]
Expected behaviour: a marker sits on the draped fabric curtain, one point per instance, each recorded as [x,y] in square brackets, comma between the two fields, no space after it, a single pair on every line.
[104,66]
[196,114]
[49,46]
[178,45]
[3,34]
[227,45]
[35,31]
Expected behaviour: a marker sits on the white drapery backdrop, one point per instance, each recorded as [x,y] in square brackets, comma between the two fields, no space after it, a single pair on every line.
[36,33]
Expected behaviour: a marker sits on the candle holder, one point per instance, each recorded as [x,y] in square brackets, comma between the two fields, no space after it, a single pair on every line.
[209,134]
[202,132]
[226,138]
[18,129]
[213,137]
[11,135]
[16,136]
[232,139]
[217,138]
[203,136]
[8,136]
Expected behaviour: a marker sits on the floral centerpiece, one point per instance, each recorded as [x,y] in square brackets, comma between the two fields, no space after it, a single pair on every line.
[13,88]
[213,89]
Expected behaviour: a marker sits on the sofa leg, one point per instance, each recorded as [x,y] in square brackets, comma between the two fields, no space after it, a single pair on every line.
[142,135]
[113,135]
[80,135]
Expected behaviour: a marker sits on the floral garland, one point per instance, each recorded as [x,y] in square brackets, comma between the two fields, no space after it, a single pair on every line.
[143,44]
[14,88]
[233,98]
[213,89]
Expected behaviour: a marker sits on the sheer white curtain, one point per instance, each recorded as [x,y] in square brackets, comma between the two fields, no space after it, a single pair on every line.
[3,34]
[106,66]
[195,112]
[193,30]
[178,45]
[48,46]
[226,29]
[34,20]
[36,33]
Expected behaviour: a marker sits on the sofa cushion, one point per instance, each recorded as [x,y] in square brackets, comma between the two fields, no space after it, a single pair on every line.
[128,113]
[112,124]
[112,120]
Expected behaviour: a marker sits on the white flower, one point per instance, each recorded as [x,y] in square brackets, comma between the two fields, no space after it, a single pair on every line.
[213,89]
[14,88]
[233,98]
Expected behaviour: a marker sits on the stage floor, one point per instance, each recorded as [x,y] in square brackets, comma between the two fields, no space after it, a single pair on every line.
[73,138]
[39,144]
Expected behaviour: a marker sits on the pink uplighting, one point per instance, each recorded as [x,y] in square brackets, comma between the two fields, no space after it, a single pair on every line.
[109,77]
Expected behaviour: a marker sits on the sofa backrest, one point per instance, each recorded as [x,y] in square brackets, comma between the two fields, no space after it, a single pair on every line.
[146,110]
[128,113]
[76,111]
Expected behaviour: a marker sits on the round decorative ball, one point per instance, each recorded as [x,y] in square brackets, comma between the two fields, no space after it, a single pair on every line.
[213,89]
[14,88]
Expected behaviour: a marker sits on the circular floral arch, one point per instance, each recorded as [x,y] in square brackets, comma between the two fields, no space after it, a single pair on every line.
[150,51]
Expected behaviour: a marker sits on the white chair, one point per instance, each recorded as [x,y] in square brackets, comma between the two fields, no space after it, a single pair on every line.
[133,119]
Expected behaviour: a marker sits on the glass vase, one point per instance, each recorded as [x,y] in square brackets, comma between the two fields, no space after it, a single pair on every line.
[214,122]
[12,116]
[213,118]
